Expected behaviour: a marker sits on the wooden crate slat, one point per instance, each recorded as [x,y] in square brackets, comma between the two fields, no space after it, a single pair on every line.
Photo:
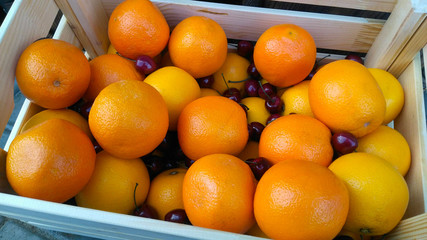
[417,41]
[372,5]
[26,21]
[402,24]
[411,123]
[411,228]
[243,22]
[89,22]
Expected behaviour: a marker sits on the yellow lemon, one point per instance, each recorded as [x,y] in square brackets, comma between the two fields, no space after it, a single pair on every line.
[296,100]
[234,71]
[256,109]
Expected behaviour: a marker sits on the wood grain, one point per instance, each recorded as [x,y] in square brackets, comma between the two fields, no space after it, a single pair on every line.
[411,228]
[26,22]
[397,33]
[411,123]
[372,5]
[248,23]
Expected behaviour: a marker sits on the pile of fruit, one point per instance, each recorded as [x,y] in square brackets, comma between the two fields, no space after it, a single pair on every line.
[171,124]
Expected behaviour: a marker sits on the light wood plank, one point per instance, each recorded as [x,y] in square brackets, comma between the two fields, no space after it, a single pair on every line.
[411,123]
[64,32]
[411,228]
[372,5]
[89,22]
[417,41]
[248,23]
[26,21]
[402,24]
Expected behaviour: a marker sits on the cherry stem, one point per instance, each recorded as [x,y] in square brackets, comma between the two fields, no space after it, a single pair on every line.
[259,82]
[134,198]
[125,57]
[244,80]
[243,105]
[223,78]
[323,58]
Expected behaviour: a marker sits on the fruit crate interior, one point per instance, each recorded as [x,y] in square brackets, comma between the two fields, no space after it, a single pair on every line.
[389,34]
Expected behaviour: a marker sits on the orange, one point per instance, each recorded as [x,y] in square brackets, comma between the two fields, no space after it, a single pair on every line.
[53,73]
[208,92]
[256,231]
[296,99]
[65,114]
[212,124]
[392,91]
[137,27]
[378,192]
[285,54]
[52,161]
[300,200]
[389,144]
[345,97]
[257,112]
[296,137]
[165,192]
[129,119]
[177,87]
[198,45]
[234,71]
[106,69]
[112,186]
[218,192]
[250,151]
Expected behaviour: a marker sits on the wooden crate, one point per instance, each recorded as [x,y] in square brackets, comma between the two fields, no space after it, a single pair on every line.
[393,44]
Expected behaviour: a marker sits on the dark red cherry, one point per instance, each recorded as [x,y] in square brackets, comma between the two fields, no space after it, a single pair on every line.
[233,94]
[272,117]
[145,64]
[245,48]
[155,164]
[266,89]
[85,109]
[354,58]
[206,82]
[251,87]
[274,104]
[252,71]
[177,216]
[145,211]
[97,147]
[258,166]
[255,129]
[344,142]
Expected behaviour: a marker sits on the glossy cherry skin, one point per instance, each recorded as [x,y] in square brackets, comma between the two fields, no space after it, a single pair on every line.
[252,71]
[266,89]
[145,64]
[354,58]
[206,82]
[251,87]
[272,117]
[255,129]
[145,211]
[233,94]
[177,216]
[274,104]
[258,166]
[344,142]
[244,48]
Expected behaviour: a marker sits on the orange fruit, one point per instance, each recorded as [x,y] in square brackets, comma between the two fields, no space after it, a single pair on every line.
[198,45]
[165,192]
[250,151]
[218,191]
[285,54]
[300,200]
[52,161]
[256,231]
[296,99]
[392,91]
[257,112]
[378,192]
[65,114]
[137,27]
[112,185]
[53,73]
[212,124]
[296,137]
[177,87]
[106,69]
[231,73]
[208,92]
[345,97]
[129,119]
[390,145]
